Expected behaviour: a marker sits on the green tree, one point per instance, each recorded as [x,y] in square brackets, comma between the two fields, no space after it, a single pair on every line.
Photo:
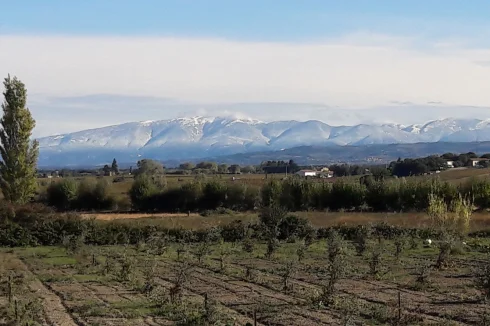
[19,153]
[223,168]
[142,189]
[212,166]
[235,169]
[114,167]
[186,166]
[248,169]
[106,169]
[150,167]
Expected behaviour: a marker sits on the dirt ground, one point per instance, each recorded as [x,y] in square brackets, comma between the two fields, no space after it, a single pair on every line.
[105,285]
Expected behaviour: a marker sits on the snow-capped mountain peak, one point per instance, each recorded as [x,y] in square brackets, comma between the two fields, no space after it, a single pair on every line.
[194,137]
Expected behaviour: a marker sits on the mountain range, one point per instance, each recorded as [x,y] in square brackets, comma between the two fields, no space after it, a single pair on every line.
[203,137]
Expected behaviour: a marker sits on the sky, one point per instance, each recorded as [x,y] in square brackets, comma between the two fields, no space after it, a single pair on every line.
[92,63]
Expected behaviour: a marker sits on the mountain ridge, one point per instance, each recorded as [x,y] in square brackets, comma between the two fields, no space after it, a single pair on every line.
[199,137]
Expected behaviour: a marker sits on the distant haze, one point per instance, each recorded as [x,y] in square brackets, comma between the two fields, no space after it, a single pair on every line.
[86,112]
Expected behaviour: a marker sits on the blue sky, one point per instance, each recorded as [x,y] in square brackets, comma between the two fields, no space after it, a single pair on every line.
[157,59]
[251,19]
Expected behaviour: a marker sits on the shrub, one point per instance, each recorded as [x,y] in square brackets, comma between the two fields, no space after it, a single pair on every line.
[94,196]
[234,231]
[213,195]
[293,226]
[62,194]
[141,191]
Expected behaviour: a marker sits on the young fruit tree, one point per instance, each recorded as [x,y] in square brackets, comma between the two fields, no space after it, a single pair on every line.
[19,153]
[270,218]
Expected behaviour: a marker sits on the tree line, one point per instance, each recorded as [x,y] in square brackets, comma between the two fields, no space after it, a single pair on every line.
[150,194]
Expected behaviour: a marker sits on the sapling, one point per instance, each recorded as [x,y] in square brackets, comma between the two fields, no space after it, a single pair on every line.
[157,244]
[210,310]
[126,268]
[203,249]
[149,276]
[361,239]
[72,243]
[445,245]
[224,252]
[248,245]
[301,252]
[310,236]
[422,276]
[181,248]
[335,246]
[270,218]
[286,273]
[336,267]
[399,244]
[250,273]
[482,279]
[109,265]
[183,271]
[413,241]
[375,261]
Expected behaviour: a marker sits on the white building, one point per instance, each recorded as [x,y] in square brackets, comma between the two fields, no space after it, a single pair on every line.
[450,164]
[307,173]
[476,161]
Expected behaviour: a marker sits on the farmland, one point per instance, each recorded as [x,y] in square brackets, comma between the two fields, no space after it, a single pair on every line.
[108,285]
[265,266]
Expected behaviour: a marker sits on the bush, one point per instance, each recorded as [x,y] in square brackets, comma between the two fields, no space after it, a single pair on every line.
[62,194]
[94,196]
[213,195]
[234,231]
[141,191]
[293,226]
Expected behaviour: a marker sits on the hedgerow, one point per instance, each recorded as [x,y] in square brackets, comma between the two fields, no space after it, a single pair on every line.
[393,195]
[34,225]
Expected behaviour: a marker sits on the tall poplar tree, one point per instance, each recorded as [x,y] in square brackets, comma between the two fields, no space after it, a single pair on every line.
[19,153]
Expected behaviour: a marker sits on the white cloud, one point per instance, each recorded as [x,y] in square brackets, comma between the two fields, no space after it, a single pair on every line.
[359,70]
